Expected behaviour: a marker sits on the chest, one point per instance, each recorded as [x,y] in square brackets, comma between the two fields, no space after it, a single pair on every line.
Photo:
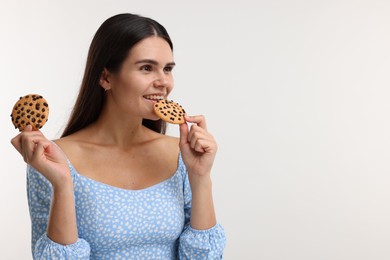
[127,171]
[110,218]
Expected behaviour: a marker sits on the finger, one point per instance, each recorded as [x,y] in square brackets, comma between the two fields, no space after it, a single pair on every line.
[199,120]
[194,135]
[197,145]
[201,146]
[17,140]
[183,134]
[202,138]
[39,149]
[28,148]
[29,142]
[197,132]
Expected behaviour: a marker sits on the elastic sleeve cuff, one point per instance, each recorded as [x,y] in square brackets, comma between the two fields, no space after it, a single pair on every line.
[46,248]
[202,244]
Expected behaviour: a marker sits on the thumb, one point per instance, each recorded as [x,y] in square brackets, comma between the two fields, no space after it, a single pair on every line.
[183,134]
[28,128]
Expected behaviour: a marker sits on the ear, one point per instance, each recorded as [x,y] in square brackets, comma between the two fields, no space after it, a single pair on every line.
[104,81]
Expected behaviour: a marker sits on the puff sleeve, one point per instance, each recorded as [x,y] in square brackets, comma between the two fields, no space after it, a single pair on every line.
[199,244]
[39,193]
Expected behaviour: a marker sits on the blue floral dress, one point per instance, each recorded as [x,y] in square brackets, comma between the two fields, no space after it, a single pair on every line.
[115,223]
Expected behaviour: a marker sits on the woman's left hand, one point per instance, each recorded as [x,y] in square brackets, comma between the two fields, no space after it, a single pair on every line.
[197,146]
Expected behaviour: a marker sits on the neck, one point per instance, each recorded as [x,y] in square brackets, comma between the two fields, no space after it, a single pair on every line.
[119,130]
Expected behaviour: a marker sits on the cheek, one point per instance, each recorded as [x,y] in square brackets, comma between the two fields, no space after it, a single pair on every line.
[127,87]
[169,90]
[171,85]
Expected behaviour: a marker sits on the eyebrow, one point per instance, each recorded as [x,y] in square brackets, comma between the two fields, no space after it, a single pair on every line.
[154,62]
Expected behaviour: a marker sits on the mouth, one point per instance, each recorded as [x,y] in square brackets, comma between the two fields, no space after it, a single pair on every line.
[154,98]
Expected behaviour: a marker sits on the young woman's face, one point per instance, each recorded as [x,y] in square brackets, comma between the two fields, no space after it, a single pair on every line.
[144,78]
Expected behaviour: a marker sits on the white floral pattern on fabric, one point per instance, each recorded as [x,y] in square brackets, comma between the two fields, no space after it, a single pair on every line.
[115,223]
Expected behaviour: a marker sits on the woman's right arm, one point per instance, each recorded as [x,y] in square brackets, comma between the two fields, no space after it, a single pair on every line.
[40,198]
[47,160]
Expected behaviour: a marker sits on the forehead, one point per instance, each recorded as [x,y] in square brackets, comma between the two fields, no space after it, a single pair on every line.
[153,47]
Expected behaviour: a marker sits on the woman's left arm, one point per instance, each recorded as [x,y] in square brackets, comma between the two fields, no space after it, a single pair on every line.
[198,149]
[202,237]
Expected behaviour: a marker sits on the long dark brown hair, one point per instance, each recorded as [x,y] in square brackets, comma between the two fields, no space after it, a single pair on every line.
[109,48]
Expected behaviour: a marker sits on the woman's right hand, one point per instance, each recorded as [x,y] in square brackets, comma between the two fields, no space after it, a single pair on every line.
[44,155]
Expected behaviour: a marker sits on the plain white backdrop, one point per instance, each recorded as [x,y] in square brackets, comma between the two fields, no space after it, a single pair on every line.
[295,91]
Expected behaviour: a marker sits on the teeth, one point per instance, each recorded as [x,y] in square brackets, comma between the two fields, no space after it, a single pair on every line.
[154,97]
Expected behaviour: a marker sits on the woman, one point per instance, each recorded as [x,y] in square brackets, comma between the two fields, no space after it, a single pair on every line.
[114,186]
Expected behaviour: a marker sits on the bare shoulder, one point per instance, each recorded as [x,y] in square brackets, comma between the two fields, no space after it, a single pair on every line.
[79,149]
[169,141]
[69,145]
[166,144]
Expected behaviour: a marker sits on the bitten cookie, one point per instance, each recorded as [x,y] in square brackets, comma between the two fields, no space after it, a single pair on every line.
[32,110]
[170,111]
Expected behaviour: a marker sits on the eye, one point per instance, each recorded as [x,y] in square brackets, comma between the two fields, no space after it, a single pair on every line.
[168,68]
[146,68]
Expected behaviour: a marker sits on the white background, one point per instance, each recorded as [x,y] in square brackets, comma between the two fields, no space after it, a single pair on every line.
[296,93]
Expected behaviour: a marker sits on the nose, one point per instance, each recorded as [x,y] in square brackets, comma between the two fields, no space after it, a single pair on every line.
[162,80]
